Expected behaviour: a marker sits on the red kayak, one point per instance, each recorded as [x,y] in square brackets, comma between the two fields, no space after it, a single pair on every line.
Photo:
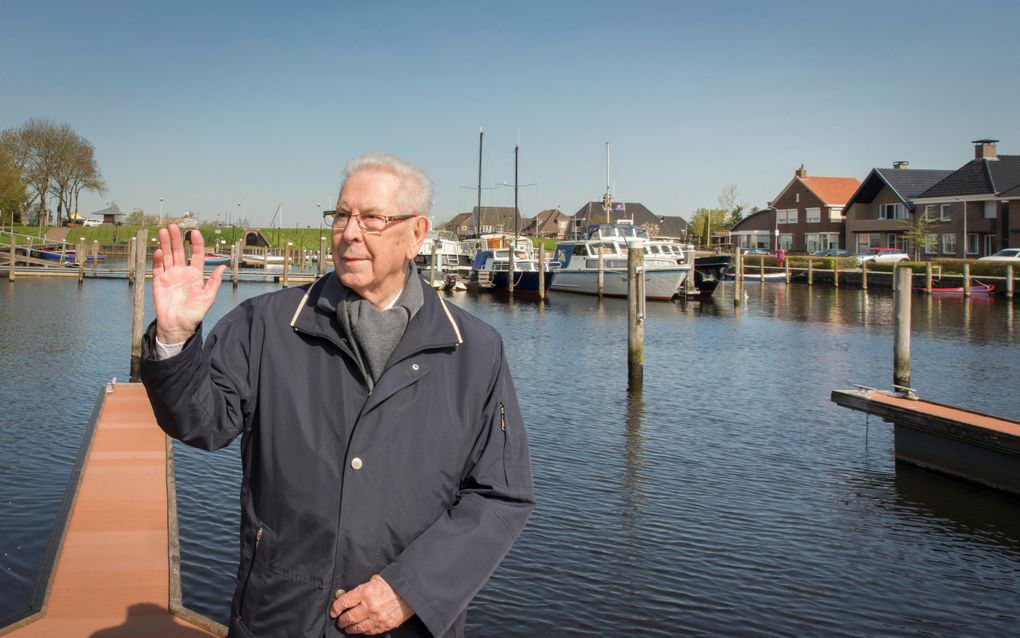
[976,289]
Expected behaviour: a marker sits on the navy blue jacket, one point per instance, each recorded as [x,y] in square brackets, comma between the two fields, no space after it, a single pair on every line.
[426,481]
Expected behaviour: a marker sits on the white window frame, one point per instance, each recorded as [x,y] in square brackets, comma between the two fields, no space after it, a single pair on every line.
[783,216]
[812,242]
[812,216]
[945,212]
[991,210]
[786,241]
[973,242]
[898,211]
[836,214]
[931,244]
[929,213]
[948,243]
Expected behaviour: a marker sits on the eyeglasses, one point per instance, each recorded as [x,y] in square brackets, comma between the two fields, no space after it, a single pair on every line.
[368,222]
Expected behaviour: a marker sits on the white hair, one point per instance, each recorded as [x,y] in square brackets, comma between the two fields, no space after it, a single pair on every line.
[414,193]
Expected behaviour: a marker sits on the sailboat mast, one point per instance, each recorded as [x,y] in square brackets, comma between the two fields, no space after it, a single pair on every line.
[607,199]
[478,214]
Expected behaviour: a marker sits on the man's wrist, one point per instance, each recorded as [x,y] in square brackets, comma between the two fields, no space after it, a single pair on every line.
[169,337]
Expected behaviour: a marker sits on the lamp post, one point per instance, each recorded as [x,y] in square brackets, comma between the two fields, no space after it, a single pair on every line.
[160,211]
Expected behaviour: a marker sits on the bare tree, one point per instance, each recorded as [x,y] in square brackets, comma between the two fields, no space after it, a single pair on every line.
[728,201]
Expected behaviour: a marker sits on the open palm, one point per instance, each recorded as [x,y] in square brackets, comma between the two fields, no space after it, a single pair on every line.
[180,293]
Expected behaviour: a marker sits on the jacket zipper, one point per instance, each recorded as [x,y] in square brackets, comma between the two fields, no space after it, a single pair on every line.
[506,441]
[251,568]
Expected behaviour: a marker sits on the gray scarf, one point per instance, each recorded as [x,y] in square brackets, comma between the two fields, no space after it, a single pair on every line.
[375,333]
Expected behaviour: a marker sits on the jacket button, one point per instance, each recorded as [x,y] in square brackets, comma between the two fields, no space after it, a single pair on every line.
[338,593]
[356,463]
[414,366]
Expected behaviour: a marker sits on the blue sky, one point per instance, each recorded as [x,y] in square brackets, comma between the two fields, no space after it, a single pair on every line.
[210,104]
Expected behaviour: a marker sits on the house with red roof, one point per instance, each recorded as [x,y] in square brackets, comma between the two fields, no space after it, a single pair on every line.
[807,215]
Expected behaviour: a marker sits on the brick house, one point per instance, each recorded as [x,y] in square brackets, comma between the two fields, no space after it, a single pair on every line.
[880,211]
[549,223]
[636,212]
[975,208]
[806,216]
[493,219]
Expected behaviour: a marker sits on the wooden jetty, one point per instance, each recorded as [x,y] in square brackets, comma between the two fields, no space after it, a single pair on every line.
[112,566]
[970,445]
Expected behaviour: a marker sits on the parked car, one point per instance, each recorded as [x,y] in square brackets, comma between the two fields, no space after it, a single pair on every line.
[831,252]
[756,251]
[883,256]
[93,222]
[1006,254]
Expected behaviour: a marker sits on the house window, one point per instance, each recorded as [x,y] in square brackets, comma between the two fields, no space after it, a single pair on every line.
[796,198]
[972,243]
[946,212]
[786,216]
[929,213]
[890,241]
[948,243]
[892,211]
[786,241]
[811,241]
[931,244]
[813,215]
[868,240]
[990,210]
[836,214]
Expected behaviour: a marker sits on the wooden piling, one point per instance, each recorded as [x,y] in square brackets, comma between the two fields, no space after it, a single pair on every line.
[432,266]
[901,336]
[786,262]
[602,273]
[761,269]
[927,278]
[864,275]
[95,255]
[1009,281]
[635,316]
[13,246]
[79,254]
[835,273]
[541,271]
[810,271]
[138,314]
[321,270]
[738,277]
[131,261]
[235,259]
[966,280]
[286,265]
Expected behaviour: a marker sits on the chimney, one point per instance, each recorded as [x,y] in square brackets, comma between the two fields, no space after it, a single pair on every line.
[902,165]
[802,172]
[985,149]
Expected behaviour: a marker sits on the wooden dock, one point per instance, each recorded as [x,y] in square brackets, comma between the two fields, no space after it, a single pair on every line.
[970,445]
[112,567]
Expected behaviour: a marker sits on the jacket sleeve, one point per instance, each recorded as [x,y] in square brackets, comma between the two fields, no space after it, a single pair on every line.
[445,567]
[200,396]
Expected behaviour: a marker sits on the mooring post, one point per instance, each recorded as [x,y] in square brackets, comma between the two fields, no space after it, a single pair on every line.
[602,274]
[541,271]
[10,269]
[738,277]
[286,265]
[1009,281]
[132,248]
[321,270]
[810,271]
[234,260]
[761,269]
[79,254]
[927,278]
[966,280]
[901,336]
[835,272]
[95,255]
[864,275]
[138,314]
[432,265]
[786,262]
[635,315]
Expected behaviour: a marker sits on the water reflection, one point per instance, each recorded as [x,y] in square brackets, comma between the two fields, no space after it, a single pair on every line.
[634,455]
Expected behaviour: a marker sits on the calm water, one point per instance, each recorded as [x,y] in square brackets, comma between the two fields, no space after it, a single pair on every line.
[729,498]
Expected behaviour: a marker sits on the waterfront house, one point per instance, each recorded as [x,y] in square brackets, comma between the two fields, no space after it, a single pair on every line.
[493,219]
[879,213]
[976,208]
[459,225]
[551,223]
[806,216]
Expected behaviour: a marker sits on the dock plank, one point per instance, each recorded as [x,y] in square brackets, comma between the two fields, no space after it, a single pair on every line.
[112,575]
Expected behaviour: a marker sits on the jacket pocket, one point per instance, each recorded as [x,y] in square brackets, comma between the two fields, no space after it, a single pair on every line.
[254,564]
[506,443]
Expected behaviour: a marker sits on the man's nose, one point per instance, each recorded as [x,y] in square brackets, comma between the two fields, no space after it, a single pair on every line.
[353,229]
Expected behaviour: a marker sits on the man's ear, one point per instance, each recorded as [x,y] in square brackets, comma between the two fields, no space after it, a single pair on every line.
[420,228]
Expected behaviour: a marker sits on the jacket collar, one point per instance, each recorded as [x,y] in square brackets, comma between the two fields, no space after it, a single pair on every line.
[433,326]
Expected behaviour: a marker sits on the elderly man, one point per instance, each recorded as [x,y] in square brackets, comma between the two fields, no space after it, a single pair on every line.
[386,468]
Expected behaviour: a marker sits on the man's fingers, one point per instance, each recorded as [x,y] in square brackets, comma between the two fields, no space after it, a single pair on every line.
[197,250]
[215,279]
[177,246]
[164,246]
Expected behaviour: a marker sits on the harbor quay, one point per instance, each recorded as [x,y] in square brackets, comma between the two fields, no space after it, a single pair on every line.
[728,496]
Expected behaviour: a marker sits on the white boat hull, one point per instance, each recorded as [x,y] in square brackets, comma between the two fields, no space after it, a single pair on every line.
[659,284]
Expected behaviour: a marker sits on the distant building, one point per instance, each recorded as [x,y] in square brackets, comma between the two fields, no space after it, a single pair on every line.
[880,212]
[806,216]
[636,212]
[111,215]
[551,223]
[976,208]
[493,219]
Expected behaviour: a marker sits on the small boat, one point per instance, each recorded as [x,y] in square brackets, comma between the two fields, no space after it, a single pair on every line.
[216,260]
[709,271]
[67,256]
[269,262]
[753,275]
[976,289]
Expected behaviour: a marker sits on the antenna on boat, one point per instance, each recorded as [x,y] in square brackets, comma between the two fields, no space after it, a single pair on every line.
[478,215]
[607,199]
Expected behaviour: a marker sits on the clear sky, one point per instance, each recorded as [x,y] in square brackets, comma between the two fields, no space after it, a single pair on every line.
[208,104]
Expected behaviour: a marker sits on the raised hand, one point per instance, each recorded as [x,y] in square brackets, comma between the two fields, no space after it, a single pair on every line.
[180,293]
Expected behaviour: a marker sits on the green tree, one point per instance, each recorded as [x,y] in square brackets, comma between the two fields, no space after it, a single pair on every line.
[706,221]
[915,232]
[12,189]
